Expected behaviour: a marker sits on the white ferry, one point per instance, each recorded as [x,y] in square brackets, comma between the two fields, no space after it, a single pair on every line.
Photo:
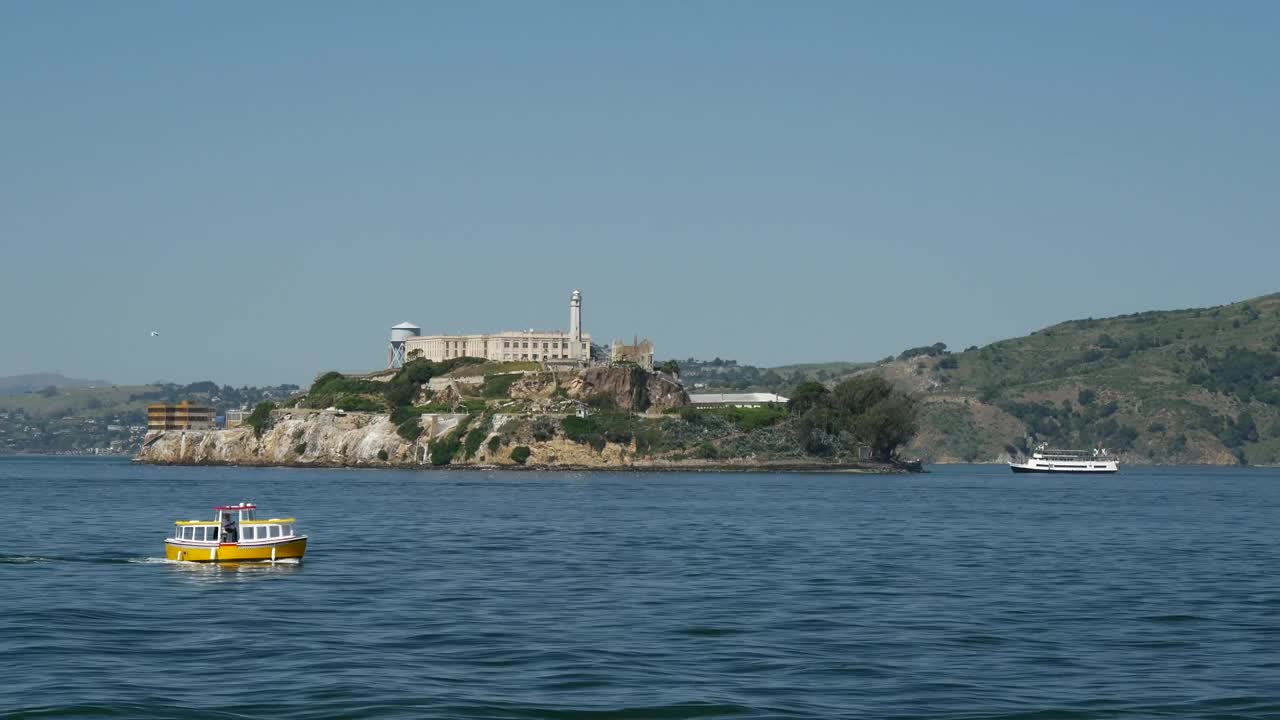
[1044,460]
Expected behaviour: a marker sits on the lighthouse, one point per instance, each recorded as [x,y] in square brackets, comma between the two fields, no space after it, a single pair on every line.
[575,326]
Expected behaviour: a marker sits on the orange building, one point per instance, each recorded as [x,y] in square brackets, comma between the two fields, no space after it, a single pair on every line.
[183,416]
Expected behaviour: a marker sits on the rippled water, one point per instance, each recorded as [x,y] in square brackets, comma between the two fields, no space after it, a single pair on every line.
[965,593]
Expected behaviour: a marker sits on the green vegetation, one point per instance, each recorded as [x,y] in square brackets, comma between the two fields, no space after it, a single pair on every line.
[498,386]
[410,428]
[359,403]
[260,418]
[84,416]
[584,430]
[1193,385]
[400,391]
[471,445]
[744,418]
[520,454]
[865,410]
[480,367]
[933,350]
[444,450]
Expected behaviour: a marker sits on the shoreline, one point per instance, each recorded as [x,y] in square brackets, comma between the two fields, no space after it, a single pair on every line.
[758,467]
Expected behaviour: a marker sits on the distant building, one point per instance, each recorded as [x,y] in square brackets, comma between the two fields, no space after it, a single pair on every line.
[639,352]
[235,418]
[748,400]
[183,416]
[572,347]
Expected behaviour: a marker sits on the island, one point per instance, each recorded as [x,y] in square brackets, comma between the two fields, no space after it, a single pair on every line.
[470,412]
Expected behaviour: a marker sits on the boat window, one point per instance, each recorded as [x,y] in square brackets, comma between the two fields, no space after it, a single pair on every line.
[275,531]
[248,531]
[199,533]
[213,533]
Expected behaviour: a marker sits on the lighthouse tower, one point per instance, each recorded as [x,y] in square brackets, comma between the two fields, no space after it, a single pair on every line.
[575,326]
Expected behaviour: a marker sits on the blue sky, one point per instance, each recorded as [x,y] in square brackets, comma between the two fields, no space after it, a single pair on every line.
[273,185]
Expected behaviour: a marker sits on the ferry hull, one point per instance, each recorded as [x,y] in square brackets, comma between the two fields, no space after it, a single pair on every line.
[292,548]
[1062,471]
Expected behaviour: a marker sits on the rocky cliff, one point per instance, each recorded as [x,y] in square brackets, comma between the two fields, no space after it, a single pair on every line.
[630,389]
[318,438]
[296,437]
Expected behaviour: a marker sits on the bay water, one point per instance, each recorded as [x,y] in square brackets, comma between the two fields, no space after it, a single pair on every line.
[964,593]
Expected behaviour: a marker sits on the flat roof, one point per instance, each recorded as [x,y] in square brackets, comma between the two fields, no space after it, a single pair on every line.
[732,398]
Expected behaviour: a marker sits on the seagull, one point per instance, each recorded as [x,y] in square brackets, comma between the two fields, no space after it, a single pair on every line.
[155,333]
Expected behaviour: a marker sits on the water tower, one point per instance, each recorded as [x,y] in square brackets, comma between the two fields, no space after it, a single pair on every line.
[400,333]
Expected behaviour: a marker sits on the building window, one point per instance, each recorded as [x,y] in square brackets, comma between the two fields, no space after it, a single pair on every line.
[524,345]
[506,344]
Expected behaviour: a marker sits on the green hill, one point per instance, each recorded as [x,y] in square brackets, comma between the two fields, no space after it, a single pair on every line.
[107,418]
[1192,386]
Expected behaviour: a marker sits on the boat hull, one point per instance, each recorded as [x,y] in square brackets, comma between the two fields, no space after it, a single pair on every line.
[1063,471]
[293,548]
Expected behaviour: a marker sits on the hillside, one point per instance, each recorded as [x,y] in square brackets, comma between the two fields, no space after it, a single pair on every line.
[32,382]
[1180,386]
[106,418]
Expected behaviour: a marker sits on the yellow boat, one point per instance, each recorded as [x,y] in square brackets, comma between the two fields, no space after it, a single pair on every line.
[235,535]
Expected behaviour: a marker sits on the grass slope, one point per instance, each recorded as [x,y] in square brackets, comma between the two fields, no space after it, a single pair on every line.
[1195,385]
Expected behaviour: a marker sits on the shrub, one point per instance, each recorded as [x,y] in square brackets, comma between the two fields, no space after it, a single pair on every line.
[358,403]
[260,418]
[382,455]
[444,450]
[583,430]
[472,444]
[498,386]
[301,448]
[745,419]
[924,350]
[520,454]
[410,429]
[543,428]
[494,443]
[805,396]
[948,362]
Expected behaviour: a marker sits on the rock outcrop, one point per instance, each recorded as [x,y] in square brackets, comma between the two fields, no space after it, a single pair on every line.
[298,437]
[630,389]
[320,438]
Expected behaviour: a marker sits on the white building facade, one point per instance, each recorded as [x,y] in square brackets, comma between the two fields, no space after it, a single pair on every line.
[553,346]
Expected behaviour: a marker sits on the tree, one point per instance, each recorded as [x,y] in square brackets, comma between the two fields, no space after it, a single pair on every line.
[866,409]
[671,367]
[805,396]
[260,418]
[888,425]
[1086,397]
[860,393]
